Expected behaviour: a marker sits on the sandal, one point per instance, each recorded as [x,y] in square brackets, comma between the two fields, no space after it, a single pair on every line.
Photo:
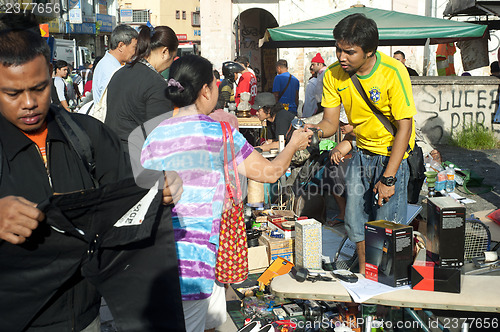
[334,222]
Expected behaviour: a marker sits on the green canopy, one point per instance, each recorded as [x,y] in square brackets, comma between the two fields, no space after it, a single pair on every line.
[394,28]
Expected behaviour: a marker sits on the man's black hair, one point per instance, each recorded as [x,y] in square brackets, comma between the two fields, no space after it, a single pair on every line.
[60,64]
[273,110]
[357,29]
[20,40]
[400,53]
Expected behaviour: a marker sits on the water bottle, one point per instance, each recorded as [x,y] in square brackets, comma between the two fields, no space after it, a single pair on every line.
[450,181]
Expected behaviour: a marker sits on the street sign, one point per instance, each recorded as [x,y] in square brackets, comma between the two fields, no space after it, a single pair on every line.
[44,30]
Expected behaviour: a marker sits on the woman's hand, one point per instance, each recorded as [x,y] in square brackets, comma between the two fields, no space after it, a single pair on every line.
[300,138]
[266,146]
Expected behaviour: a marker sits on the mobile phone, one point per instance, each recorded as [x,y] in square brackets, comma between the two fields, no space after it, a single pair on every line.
[375,201]
[345,275]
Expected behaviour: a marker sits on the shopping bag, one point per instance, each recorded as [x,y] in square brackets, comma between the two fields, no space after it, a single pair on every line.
[232,257]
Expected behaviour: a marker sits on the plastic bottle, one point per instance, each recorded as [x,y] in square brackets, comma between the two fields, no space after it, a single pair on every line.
[450,181]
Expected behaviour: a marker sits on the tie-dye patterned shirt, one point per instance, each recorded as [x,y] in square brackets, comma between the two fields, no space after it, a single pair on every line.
[192,146]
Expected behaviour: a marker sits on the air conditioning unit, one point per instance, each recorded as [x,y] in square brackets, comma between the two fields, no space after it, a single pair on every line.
[197,9]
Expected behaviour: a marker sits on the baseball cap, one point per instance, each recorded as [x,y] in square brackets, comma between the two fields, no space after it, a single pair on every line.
[264,99]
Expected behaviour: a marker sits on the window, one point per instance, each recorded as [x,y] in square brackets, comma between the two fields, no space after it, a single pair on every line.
[183,14]
[140,16]
[195,19]
[177,14]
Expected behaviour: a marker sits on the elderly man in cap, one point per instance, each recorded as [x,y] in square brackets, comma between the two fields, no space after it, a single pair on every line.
[278,119]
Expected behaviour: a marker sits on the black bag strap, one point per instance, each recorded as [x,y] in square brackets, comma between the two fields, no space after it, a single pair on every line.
[391,128]
[79,141]
[282,92]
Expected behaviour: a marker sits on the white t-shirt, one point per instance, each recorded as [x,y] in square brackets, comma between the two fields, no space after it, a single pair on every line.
[60,85]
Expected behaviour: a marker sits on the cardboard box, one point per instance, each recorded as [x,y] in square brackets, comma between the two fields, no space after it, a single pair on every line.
[388,252]
[430,277]
[446,231]
[258,259]
[278,247]
[308,244]
[283,226]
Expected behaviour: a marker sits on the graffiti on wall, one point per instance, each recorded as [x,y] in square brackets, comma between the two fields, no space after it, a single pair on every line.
[443,110]
[249,46]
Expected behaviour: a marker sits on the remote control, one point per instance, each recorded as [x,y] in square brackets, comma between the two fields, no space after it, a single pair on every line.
[345,275]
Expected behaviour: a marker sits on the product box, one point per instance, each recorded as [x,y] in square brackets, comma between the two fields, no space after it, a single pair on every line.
[278,247]
[277,268]
[430,277]
[389,250]
[258,259]
[308,244]
[283,226]
[446,231]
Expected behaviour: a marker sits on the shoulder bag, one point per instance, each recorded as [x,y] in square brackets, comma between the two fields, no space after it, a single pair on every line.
[415,156]
[282,92]
[232,257]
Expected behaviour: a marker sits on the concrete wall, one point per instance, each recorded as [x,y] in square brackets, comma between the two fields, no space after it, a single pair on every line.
[446,105]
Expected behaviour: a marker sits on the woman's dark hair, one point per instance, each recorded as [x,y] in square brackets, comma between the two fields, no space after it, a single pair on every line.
[273,110]
[357,29]
[192,72]
[151,39]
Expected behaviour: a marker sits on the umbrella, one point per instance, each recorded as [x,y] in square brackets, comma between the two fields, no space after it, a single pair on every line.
[395,28]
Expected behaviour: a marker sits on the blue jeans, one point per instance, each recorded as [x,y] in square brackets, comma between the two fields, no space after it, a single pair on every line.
[363,172]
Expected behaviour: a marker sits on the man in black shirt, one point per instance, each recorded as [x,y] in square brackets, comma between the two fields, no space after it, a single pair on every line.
[278,119]
[398,55]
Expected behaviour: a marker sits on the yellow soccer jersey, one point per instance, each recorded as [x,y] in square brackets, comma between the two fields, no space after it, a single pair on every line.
[388,86]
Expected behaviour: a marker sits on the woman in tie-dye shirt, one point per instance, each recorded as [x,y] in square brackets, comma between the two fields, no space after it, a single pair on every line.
[191,144]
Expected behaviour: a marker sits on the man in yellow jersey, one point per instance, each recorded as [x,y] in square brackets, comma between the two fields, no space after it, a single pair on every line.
[377,175]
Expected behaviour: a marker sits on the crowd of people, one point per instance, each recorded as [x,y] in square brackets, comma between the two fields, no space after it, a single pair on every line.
[126,91]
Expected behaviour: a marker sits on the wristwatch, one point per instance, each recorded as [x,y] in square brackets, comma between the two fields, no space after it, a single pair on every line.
[388,180]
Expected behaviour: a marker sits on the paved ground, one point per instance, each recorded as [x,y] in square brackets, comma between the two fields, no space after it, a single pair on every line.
[484,162]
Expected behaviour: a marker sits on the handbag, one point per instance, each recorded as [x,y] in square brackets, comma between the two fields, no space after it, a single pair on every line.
[415,157]
[232,257]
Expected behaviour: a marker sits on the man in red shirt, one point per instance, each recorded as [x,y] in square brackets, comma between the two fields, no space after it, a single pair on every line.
[246,83]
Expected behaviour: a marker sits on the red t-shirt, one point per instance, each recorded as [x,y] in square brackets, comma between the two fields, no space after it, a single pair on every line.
[247,83]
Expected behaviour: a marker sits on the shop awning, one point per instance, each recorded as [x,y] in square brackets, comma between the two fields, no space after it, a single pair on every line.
[395,28]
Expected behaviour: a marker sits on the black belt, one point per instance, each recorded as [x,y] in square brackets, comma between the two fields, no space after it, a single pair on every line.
[369,153]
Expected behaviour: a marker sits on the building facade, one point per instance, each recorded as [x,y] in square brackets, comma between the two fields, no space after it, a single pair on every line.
[88,22]
[183,16]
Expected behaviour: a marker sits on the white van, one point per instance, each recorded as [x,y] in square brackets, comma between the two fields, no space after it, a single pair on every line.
[67,50]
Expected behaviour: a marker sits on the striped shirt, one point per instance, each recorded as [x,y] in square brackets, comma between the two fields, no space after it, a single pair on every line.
[192,146]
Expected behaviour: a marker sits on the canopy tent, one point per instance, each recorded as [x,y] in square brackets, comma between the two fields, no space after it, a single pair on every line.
[394,28]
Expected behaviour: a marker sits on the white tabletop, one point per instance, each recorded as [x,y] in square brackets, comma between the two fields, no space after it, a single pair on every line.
[479,293]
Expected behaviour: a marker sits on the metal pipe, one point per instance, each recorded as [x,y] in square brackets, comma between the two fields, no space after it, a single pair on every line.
[414,315]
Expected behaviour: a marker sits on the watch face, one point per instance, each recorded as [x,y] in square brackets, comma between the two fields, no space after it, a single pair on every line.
[388,181]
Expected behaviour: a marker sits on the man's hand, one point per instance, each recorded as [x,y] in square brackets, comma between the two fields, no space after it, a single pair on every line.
[172,191]
[336,156]
[18,218]
[384,192]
